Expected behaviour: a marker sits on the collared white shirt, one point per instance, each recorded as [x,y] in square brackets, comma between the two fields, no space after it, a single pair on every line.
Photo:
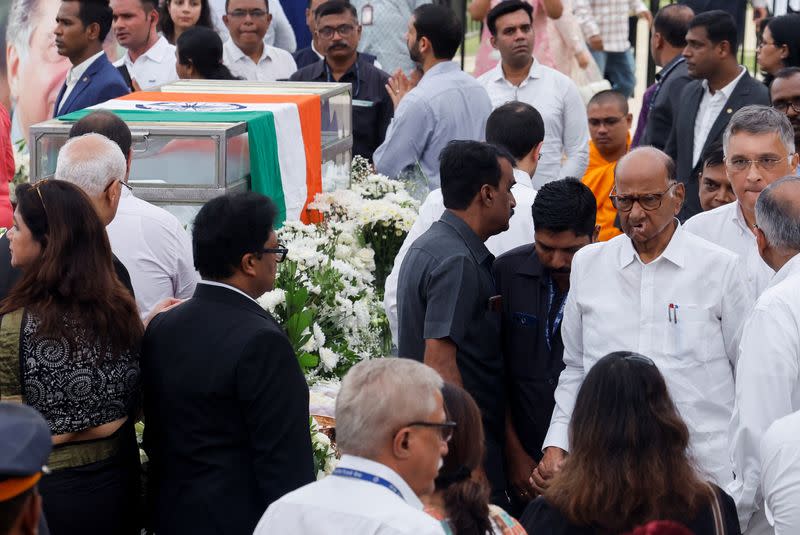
[153,68]
[341,505]
[274,63]
[727,227]
[74,74]
[708,111]
[557,99]
[618,303]
[780,462]
[767,380]
[520,232]
[154,247]
[228,286]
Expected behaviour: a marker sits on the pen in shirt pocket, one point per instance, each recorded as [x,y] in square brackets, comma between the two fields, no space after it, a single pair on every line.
[672,313]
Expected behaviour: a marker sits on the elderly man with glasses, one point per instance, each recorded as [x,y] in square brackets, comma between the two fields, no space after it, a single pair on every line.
[759,149]
[660,291]
[392,431]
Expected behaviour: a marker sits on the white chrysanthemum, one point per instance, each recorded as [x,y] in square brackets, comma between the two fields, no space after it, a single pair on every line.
[319,336]
[328,358]
[271,300]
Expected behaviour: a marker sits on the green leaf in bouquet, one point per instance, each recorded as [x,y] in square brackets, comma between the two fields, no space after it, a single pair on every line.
[308,361]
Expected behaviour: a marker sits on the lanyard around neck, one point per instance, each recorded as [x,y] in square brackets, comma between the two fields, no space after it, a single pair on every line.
[369,478]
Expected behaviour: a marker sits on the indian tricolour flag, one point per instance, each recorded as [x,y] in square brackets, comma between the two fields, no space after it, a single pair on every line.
[284,136]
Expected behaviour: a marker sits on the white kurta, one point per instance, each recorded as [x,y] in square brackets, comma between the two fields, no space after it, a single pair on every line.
[618,303]
[768,381]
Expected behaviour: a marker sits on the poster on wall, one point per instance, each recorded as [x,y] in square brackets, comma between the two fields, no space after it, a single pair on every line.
[31,71]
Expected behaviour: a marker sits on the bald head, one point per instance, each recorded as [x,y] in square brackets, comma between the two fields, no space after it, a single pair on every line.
[778,213]
[646,161]
[107,124]
[612,97]
[91,162]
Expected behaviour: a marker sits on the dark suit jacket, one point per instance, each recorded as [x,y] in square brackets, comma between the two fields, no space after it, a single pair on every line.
[9,275]
[226,407]
[681,139]
[673,78]
[101,82]
[532,369]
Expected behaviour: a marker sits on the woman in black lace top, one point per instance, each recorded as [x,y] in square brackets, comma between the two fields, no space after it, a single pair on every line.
[73,331]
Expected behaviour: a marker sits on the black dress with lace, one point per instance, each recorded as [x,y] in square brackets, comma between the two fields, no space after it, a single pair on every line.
[76,384]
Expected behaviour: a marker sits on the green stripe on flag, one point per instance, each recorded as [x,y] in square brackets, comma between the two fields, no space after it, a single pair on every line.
[265,170]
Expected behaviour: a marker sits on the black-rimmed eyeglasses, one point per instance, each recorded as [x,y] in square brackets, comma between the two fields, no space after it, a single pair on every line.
[648,201]
[784,105]
[446,429]
[280,252]
[130,188]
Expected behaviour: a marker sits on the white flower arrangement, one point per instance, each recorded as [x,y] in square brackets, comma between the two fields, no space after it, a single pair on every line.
[22,167]
[323,449]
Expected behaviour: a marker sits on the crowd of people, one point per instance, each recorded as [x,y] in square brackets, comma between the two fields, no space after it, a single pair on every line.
[539,386]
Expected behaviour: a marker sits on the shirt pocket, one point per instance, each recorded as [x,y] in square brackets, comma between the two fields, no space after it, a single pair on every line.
[686,333]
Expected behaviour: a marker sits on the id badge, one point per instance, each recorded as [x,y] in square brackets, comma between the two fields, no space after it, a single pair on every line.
[366,15]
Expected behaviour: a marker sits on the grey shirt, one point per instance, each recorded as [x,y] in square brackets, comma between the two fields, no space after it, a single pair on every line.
[447,104]
[444,288]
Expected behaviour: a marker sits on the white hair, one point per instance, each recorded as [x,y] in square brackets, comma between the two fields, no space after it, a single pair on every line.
[91,162]
[778,218]
[379,396]
[757,119]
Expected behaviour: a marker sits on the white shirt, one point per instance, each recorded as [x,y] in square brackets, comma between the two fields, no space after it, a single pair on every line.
[520,232]
[74,74]
[153,68]
[274,63]
[155,248]
[708,111]
[279,33]
[780,462]
[341,505]
[618,303]
[768,380]
[557,99]
[727,227]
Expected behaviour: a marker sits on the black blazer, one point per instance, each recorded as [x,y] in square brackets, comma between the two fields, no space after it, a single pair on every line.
[226,412]
[532,369]
[667,105]
[681,139]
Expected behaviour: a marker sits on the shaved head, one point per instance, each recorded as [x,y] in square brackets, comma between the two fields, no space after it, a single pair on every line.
[610,97]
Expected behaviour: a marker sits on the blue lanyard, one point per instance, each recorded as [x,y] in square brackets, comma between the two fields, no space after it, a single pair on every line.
[358,77]
[369,478]
[663,74]
[550,331]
